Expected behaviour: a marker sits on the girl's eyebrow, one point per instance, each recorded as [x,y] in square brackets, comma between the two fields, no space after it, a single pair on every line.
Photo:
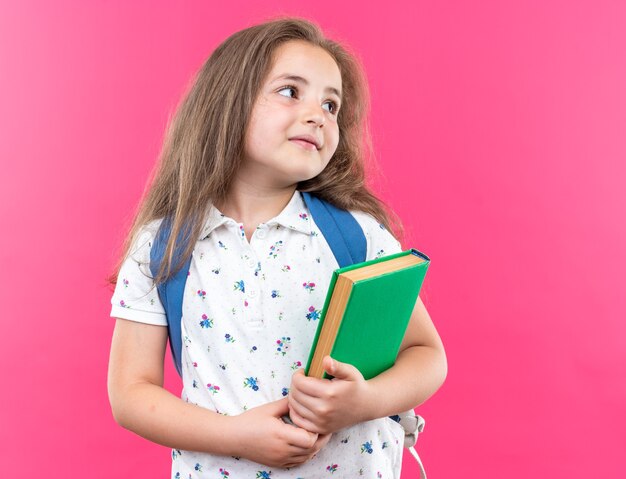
[304,81]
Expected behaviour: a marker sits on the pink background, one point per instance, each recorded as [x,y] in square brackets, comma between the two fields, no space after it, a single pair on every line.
[500,129]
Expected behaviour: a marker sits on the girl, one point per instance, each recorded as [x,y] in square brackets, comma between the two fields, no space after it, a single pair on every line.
[277,109]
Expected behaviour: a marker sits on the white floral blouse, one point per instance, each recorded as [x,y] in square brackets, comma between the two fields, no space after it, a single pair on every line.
[250,312]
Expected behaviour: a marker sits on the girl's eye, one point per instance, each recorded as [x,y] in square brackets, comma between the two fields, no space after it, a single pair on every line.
[287,88]
[333,107]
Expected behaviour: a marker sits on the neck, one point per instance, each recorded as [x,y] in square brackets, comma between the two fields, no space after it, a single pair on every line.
[251,204]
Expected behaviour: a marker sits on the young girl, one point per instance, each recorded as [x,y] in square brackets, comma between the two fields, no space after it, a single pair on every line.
[276,110]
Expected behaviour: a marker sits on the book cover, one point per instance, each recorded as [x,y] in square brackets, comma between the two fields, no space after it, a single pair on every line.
[367,311]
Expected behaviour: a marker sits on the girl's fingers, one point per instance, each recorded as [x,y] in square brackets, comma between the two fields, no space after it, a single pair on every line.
[302,421]
[323,439]
[311,403]
[301,440]
[302,410]
[300,458]
[297,459]
[314,387]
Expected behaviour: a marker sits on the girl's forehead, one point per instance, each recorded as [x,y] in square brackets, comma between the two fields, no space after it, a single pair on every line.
[298,58]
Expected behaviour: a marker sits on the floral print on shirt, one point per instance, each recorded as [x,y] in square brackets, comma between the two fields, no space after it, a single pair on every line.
[250,312]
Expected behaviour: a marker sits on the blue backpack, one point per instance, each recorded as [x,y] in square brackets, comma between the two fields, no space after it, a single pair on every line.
[347,241]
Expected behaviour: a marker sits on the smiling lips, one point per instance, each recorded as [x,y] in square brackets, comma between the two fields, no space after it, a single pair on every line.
[308,142]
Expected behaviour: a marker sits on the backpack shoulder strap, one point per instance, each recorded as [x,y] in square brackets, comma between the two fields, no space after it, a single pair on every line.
[341,230]
[171,291]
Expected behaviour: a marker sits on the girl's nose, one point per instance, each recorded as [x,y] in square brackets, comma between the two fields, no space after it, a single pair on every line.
[314,113]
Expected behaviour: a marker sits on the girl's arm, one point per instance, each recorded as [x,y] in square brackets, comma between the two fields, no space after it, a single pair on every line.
[141,404]
[323,406]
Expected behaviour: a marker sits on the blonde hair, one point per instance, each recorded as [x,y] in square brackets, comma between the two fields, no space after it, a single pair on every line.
[203,146]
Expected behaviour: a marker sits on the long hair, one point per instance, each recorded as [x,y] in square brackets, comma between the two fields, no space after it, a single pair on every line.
[204,141]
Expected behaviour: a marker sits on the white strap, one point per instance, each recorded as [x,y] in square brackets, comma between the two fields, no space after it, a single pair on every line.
[419,462]
[413,425]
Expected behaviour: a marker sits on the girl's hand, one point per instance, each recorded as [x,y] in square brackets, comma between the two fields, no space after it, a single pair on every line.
[263,437]
[324,406]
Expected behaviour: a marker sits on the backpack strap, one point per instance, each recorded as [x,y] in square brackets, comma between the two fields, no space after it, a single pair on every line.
[413,425]
[341,230]
[171,291]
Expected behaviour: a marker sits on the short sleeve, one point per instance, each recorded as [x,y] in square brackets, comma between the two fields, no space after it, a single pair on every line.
[380,241]
[135,297]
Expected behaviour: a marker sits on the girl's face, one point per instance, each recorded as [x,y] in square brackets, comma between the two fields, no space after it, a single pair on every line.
[293,130]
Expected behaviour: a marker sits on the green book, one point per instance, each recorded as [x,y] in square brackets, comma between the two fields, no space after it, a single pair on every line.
[367,311]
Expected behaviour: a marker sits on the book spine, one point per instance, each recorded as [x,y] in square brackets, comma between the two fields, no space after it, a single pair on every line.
[331,287]
[332,322]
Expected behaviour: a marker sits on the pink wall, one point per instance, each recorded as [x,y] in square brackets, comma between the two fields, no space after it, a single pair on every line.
[500,128]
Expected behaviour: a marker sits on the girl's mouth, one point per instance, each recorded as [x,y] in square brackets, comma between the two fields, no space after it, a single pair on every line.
[307,145]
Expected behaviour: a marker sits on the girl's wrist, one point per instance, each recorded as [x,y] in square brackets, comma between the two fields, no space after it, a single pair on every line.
[223,438]
[233,439]
[371,402]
